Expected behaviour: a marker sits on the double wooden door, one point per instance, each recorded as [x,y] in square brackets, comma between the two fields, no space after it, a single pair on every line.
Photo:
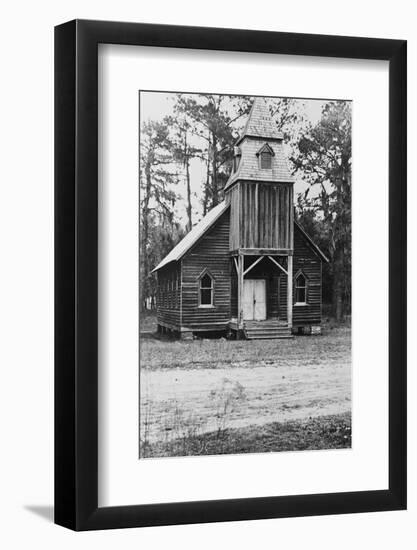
[254,299]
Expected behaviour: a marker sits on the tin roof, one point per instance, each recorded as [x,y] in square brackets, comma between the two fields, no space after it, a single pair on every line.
[193,236]
[312,243]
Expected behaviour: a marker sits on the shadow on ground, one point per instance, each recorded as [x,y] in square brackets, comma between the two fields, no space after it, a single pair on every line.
[45,512]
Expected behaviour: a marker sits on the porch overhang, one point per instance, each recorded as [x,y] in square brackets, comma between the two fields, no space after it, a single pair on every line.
[238,257]
[262,252]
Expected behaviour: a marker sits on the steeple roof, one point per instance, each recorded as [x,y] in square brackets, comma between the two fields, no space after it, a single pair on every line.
[260,134]
[260,123]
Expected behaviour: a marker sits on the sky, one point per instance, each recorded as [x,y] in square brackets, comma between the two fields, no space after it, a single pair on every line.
[157,105]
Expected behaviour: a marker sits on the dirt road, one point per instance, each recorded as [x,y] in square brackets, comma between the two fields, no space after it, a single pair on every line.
[241,394]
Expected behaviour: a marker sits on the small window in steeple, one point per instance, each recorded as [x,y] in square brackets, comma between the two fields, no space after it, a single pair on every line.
[265,155]
[266,160]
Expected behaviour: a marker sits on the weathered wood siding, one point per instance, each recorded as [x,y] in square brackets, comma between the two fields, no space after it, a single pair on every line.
[233,290]
[310,264]
[168,297]
[261,215]
[232,197]
[211,252]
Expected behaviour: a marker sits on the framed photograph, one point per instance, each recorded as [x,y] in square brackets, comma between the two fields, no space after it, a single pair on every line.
[230,253]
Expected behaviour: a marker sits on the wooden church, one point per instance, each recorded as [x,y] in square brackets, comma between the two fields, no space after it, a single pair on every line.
[247,269]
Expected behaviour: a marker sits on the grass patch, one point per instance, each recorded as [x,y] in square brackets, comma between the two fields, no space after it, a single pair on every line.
[147,321]
[323,432]
[333,346]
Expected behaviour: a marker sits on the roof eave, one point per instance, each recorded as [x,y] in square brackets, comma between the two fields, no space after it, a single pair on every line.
[158,267]
[278,137]
[312,243]
[185,251]
[231,181]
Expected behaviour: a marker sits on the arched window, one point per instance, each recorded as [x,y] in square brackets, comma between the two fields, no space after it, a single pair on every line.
[300,289]
[206,290]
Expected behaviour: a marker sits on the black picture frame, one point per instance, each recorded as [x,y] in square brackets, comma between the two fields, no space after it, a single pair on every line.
[76,272]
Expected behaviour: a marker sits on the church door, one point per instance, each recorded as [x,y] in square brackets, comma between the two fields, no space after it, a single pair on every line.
[254,299]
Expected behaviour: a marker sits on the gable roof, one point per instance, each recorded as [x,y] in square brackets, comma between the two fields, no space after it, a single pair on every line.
[313,245]
[204,225]
[260,123]
[193,236]
[266,148]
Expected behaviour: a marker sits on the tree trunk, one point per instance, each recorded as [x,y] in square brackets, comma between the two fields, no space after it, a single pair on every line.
[338,278]
[206,187]
[215,191]
[187,175]
[145,236]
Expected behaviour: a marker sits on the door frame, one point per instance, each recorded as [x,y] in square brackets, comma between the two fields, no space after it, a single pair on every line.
[265,279]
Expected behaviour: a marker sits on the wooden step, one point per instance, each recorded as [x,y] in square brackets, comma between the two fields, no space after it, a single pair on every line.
[262,327]
[269,336]
[266,327]
[253,335]
[265,330]
[271,322]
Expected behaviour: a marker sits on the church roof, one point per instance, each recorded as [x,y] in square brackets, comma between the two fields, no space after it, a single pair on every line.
[194,235]
[260,131]
[312,243]
[260,123]
[201,229]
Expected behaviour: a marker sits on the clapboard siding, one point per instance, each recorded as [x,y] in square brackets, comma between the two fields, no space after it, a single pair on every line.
[233,296]
[211,252]
[233,197]
[306,259]
[168,298]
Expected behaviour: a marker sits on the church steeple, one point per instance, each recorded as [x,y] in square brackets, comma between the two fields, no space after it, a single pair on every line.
[260,194]
[260,188]
[260,123]
[259,135]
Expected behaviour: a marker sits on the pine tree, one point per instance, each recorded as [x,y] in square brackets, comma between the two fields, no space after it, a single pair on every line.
[324,161]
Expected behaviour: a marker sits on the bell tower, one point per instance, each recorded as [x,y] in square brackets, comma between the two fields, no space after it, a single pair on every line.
[260,194]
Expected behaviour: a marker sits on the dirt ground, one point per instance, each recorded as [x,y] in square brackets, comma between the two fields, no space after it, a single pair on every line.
[204,385]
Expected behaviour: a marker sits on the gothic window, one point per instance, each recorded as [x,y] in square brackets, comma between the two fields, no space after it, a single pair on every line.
[206,290]
[300,289]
